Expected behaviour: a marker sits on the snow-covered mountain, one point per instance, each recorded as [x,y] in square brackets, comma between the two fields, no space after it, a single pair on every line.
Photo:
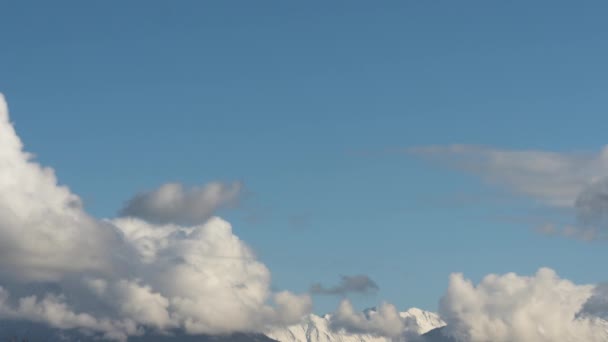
[316,329]
[39,332]
[420,321]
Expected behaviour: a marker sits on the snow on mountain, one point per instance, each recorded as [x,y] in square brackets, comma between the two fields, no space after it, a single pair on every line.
[316,329]
[420,321]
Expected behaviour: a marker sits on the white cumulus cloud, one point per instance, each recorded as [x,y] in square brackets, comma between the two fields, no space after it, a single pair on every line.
[137,273]
[504,308]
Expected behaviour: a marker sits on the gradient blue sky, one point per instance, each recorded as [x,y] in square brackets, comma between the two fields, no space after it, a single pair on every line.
[311,105]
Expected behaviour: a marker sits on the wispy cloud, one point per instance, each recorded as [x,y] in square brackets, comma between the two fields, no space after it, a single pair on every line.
[360,283]
[563,180]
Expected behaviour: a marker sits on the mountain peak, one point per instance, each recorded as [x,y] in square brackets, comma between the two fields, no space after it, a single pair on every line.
[317,329]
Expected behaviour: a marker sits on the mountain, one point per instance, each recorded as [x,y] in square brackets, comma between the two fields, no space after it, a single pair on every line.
[435,335]
[420,321]
[316,329]
[312,329]
[35,332]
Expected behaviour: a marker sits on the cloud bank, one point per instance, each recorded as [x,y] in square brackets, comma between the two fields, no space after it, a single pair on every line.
[562,180]
[360,283]
[501,308]
[145,271]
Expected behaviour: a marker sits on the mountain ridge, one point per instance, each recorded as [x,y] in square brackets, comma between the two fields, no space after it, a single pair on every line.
[314,328]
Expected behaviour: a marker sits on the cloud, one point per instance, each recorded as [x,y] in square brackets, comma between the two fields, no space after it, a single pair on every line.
[597,304]
[129,275]
[44,232]
[53,310]
[348,284]
[171,203]
[560,180]
[384,321]
[208,274]
[509,307]
[592,210]
[549,177]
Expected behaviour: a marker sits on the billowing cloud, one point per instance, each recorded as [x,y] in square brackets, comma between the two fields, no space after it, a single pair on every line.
[129,275]
[562,180]
[171,203]
[383,321]
[510,307]
[360,283]
[44,232]
[208,274]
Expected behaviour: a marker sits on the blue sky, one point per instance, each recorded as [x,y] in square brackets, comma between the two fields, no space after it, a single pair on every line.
[313,107]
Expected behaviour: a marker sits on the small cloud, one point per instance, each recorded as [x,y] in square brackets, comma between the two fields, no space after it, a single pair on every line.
[361,284]
[172,203]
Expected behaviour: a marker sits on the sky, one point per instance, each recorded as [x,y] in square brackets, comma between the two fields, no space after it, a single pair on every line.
[398,140]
